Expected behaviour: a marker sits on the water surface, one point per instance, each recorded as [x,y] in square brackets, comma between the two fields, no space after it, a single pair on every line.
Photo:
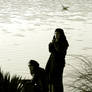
[27,27]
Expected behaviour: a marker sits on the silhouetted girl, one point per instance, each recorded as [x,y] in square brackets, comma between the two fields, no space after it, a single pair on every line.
[55,65]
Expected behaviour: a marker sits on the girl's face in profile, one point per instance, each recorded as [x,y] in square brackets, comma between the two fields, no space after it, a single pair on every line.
[32,69]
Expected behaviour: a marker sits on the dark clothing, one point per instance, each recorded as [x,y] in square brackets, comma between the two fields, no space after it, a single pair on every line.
[56,63]
[38,83]
[28,86]
[40,80]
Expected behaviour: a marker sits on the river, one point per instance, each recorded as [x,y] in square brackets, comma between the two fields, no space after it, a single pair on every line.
[27,27]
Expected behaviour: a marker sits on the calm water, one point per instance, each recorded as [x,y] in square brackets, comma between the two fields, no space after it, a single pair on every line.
[27,26]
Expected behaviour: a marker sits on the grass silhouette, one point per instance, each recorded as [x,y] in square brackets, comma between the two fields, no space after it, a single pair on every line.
[15,83]
[8,84]
[82,76]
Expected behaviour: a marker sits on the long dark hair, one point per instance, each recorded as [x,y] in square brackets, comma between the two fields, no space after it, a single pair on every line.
[62,35]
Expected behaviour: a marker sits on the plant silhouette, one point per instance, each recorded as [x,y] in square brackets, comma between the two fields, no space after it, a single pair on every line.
[8,84]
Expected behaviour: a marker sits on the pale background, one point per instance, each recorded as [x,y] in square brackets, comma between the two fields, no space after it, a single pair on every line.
[27,27]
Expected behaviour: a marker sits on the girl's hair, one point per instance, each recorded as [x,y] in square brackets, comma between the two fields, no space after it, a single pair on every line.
[63,37]
[33,63]
[61,31]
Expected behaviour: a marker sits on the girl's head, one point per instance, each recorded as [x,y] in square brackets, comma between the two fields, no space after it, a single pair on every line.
[59,34]
[33,66]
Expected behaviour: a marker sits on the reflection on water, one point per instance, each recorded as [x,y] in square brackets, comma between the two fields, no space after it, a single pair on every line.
[27,26]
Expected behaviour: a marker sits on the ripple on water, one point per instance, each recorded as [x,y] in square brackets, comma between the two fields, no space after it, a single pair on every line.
[19,35]
[87,48]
